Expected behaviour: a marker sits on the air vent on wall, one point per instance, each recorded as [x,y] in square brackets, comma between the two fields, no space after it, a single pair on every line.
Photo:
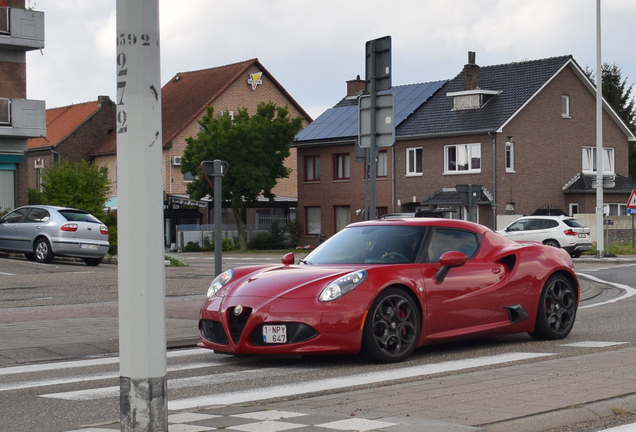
[176,160]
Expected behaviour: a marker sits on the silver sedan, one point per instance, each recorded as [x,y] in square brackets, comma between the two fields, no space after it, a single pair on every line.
[42,232]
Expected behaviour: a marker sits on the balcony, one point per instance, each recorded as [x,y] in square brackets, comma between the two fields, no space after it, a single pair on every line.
[21,29]
[22,118]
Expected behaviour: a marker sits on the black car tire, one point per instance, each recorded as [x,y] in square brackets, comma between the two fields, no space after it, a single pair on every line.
[92,261]
[557,309]
[42,251]
[392,327]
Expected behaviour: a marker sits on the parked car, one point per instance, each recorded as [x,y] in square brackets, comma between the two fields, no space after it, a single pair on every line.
[43,232]
[385,287]
[558,231]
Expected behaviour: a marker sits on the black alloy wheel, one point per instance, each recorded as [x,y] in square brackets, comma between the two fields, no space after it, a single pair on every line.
[392,327]
[557,309]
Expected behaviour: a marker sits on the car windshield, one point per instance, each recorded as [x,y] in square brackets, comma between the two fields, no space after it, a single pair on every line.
[377,244]
[78,216]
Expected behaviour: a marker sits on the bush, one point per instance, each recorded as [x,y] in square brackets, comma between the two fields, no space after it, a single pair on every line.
[193,247]
[261,241]
[110,220]
[295,231]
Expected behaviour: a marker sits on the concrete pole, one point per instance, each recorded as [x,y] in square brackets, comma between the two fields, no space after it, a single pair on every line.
[142,322]
[599,136]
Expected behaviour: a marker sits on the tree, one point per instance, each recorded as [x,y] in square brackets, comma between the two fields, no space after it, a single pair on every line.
[255,149]
[619,95]
[80,185]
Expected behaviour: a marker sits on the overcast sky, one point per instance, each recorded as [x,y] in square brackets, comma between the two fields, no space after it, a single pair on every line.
[313,47]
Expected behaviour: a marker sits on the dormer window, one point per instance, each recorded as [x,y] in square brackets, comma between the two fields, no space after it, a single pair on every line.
[471,99]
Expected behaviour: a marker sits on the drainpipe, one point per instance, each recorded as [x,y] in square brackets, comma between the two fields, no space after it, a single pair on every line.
[494,181]
[393,178]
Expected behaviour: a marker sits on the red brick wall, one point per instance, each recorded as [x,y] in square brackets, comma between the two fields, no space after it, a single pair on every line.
[328,193]
[13,81]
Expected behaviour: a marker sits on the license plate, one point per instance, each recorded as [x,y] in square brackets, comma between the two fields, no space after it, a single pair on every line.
[88,246]
[582,235]
[274,334]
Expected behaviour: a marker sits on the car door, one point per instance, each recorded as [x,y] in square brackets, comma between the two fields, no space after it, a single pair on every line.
[32,226]
[517,230]
[536,230]
[9,230]
[469,295]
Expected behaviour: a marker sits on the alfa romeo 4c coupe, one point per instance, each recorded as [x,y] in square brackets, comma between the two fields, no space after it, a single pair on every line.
[386,287]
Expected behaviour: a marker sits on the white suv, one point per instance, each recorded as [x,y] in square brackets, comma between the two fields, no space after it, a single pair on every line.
[558,231]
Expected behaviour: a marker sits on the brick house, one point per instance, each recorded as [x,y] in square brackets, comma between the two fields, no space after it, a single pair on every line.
[525,132]
[21,30]
[184,101]
[72,132]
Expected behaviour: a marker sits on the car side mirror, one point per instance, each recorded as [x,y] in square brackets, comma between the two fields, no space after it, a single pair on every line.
[449,260]
[288,258]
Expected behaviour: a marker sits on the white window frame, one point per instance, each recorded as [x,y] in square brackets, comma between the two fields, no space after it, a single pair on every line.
[382,166]
[574,208]
[509,157]
[588,165]
[412,160]
[467,151]
[565,106]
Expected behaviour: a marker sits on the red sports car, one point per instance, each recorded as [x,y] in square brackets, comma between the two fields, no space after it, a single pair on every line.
[386,287]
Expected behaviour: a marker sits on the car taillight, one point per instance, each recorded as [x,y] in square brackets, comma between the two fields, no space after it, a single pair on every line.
[72,227]
[103,230]
[569,232]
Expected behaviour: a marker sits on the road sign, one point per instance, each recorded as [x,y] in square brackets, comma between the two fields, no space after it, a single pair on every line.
[384,124]
[378,64]
[631,211]
[631,202]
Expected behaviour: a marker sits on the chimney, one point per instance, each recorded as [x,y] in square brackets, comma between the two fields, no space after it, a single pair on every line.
[354,87]
[471,73]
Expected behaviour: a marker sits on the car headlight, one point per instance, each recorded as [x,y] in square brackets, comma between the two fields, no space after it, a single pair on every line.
[342,285]
[220,281]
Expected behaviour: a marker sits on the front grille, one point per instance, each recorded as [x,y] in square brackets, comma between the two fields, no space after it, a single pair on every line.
[237,323]
[213,331]
[296,332]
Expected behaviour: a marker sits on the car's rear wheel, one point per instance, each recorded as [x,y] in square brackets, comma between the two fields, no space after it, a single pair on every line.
[557,309]
[92,261]
[392,327]
[552,243]
[42,251]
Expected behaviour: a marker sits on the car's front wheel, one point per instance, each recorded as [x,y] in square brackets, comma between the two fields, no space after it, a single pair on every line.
[392,327]
[42,251]
[557,309]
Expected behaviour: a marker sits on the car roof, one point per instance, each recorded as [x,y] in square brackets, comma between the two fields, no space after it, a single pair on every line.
[427,221]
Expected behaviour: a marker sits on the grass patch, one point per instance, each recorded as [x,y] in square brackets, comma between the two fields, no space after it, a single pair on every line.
[614,249]
[176,261]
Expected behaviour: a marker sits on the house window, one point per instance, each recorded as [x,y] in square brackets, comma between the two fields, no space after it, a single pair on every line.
[382,166]
[574,209]
[470,101]
[5,110]
[510,157]
[462,158]
[188,177]
[414,161]
[313,221]
[342,215]
[565,106]
[312,168]
[341,166]
[589,160]
[617,209]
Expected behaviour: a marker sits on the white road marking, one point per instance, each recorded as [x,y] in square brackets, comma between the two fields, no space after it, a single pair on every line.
[623,428]
[592,344]
[629,291]
[342,382]
[7,274]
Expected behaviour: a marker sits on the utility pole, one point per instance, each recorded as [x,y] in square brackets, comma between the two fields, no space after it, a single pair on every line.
[599,136]
[142,317]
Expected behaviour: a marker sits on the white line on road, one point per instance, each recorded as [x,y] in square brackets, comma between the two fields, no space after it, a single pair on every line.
[350,381]
[624,428]
[629,291]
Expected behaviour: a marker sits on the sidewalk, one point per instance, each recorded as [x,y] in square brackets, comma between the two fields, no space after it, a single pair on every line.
[525,396]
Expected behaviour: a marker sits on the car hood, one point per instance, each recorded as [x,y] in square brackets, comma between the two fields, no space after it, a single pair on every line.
[295,281]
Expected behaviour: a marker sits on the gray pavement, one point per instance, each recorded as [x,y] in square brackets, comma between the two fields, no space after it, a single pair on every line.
[525,396]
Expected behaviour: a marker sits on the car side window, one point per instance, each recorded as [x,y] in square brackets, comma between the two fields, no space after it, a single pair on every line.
[15,216]
[445,239]
[552,223]
[519,225]
[38,215]
[535,224]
